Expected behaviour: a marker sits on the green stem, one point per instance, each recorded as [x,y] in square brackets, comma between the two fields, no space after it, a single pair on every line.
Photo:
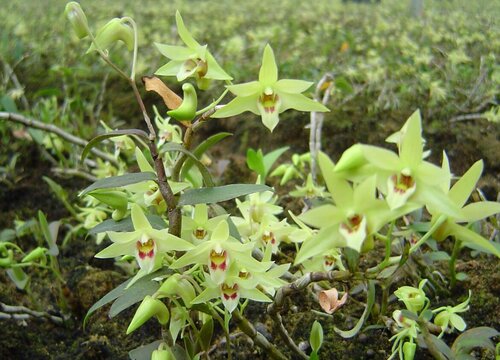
[213,104]
[423,239]
[134,57]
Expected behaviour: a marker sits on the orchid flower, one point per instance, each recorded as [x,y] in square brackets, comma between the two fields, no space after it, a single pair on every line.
[413,298]
[329,300]
[146,244]
[192,60]
[198,228]
[458,195]
[219,253]
[356,215]
[448,319]
[269,97]
[237,284]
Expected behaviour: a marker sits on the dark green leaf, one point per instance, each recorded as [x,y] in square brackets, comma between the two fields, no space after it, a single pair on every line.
[206,333]
[111,134]
[441,346]
[369,304]
[125,225]
[144,352]
[409,314]
[219,193]
[476,337]
[121,180]
[8,104]
[200,150]
[207,178]
[132,295]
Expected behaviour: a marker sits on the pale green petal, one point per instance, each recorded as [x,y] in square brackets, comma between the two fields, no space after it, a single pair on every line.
[445,165]
[170,69]
[172,242]
[341,192]
[221,232]
[326,239]
[200,213]
[179,53]
[206,295]
[184,34]
[474,240]
[185,72]
[198,255]
[323,216]
[462,189]
[139,220]
[381,158]
[237,106]
[457,322]
[480,210]
[254,294]
[436,200]
[365,193]
[411,145]
[292,86]
[246,89]
[431,174]
[124,237]
[300,102]
[117,249]
[214,70]
[268,73]
[269,118]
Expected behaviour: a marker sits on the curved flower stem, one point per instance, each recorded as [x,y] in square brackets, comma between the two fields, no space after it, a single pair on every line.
[275,307]
[134,56]
[212,104]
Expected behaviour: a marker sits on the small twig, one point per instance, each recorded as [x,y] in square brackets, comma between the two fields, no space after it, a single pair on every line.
[23,313]
[100,97]
[317,119]
[467,117]
[256,336]
[9,72]
[74,172]
[275,307]
[55,130]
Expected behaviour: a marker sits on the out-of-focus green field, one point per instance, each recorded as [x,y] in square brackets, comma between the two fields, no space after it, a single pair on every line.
[385,62]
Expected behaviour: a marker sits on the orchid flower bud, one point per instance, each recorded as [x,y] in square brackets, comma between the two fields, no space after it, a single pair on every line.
[38,253]
[187,110]
[149,307]
[413,298]
[114,30]
[77,19]
[409,349]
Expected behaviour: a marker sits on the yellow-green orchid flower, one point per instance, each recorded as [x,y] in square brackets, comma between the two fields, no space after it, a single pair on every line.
[146,244]
[269,97]
[192,60]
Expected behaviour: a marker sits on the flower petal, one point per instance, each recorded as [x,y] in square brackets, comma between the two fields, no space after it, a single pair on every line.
[139,220]
[170,69]
[411,144]
[184,33]
[237,106]
[246,89]
[268,73]
[292,86]
[215,71]
[462,189]
[173,52]
[300,102]
[116,249]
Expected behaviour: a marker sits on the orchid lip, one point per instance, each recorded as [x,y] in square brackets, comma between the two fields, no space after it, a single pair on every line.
[145,249]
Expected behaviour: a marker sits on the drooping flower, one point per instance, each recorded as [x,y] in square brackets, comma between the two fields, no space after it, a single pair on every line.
[192,60]
[269,97]
[329,300]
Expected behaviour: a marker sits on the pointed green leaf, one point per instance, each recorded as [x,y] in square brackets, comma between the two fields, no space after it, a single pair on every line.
[125,225]
[270,158]
[219,193]
[108,135]
[49,233]
[207,178]
[119,181]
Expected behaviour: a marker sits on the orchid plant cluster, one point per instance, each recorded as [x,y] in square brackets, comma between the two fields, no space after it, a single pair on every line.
[207,264]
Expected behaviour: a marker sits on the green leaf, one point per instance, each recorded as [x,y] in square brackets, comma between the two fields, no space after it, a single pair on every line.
[200,150]
[219,193]
[118,181]
[144,352]
[121,290]
[207,178]
[49,233]
[125,225]
[474,240]
[18,277]
[134,294]
[206,333]
[270,158]
[441,346]
[316,336]
[111,134]
[473,338]
[369,304]
[255,162]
